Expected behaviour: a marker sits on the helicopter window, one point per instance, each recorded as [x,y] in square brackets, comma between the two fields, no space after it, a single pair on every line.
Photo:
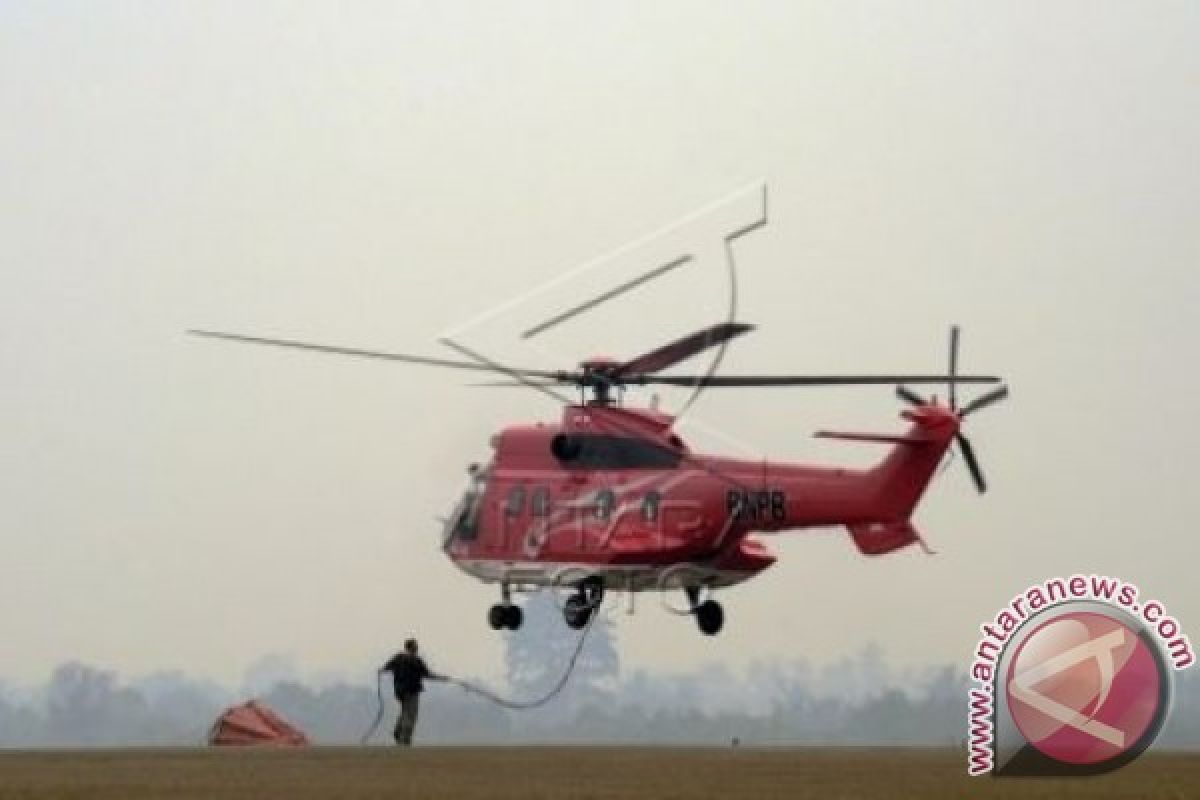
[464,520]
[650,505]
[605,501]
[595,451]
[464,524]
[539,502]
[515,502]
[466,515]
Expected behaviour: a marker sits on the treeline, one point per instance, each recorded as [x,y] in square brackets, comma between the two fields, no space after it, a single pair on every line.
[858,700]
[81,706]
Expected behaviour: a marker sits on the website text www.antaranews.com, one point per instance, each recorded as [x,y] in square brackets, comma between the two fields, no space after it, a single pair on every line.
[1123,595]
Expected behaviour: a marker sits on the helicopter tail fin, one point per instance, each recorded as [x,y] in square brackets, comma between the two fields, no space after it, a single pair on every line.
[904,473]
[895,485]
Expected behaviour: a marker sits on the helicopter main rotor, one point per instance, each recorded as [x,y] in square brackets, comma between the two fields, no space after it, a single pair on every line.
[601,376]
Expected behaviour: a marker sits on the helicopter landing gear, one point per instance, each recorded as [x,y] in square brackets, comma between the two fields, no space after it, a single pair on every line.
[504,614]
[580,606]
[710,617]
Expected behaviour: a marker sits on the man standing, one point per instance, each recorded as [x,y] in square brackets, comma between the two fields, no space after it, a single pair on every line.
[408,675]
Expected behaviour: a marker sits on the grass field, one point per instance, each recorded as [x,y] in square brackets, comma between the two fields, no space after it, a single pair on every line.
[532,773]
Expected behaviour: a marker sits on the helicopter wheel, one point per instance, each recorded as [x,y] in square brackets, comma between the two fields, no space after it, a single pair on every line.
[577,611]
[513,617]
[580,607]
[710,617]
[502,616]
[497,617]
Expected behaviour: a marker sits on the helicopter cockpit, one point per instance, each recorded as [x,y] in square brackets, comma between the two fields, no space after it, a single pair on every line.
[463,522]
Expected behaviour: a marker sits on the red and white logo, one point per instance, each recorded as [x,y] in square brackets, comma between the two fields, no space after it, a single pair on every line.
[1072,677]
[1084,688]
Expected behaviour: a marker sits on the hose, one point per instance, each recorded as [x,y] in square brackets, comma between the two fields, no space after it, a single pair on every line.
[487,694]
[526,705]
[378,710]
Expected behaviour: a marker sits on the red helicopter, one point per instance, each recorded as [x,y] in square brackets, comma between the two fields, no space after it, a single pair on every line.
[610,497]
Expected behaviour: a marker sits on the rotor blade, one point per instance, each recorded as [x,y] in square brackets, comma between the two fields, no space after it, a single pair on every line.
[994,396]
[720,381]
[953,366]
[349,351]
[516,376]
[904,393]
[512,383]
[972,463]
[681,349]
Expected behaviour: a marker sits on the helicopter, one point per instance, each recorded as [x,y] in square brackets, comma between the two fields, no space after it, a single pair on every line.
[610,498]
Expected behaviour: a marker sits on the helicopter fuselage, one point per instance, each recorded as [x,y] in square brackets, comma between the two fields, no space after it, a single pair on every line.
[613,494]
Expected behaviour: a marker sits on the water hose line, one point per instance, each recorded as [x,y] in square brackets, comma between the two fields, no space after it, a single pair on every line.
[487,694]
[378,709]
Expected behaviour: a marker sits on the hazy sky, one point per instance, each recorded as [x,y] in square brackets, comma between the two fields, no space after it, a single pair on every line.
[374,173]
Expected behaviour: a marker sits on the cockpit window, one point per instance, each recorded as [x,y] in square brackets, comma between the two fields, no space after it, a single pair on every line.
[598,451]
[464,521]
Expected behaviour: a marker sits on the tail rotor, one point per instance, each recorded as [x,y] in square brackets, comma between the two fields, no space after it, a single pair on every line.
[978,404]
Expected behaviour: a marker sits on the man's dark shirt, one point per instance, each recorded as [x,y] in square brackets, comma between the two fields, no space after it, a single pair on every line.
[408,673]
